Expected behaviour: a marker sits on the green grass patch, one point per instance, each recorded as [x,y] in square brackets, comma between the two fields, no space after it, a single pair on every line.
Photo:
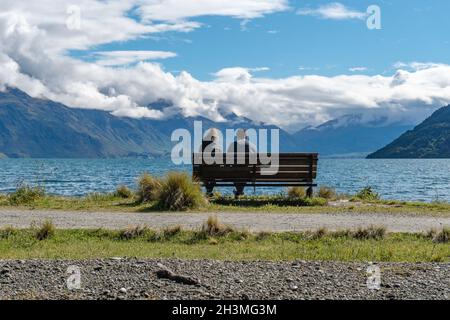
[25,194]
[367,194]
[178,193]
[265,201]
[263,204]
[215,241]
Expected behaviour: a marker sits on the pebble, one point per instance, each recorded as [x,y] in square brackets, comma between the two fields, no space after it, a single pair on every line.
[123,290]
[122,278]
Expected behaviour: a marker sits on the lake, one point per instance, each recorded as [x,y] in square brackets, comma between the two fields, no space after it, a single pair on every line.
[418,180]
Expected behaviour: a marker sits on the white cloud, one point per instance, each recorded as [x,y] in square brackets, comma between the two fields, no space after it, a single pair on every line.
[357,69]
[34,41]
[333,11]
[237,74]
[179,10]
[116,58]
[414,66]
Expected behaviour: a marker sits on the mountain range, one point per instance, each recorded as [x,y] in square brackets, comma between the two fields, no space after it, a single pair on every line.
[349,136]
[430,139]
[37,128]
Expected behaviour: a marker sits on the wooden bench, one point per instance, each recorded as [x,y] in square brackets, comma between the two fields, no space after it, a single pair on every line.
[295,169]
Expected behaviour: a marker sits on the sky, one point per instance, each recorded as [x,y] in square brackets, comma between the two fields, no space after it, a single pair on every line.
[291,63]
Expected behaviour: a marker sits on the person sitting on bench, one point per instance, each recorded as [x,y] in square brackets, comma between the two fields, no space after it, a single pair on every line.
[209,148]
[241,145]
[210,143]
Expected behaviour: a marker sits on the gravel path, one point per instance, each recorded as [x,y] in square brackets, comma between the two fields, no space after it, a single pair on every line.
[276,222]
[137,279]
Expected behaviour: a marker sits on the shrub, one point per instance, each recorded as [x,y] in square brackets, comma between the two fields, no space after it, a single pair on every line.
[164,234]
[179,192]
[123,192]
[46,231]
[326,193]
[320,233]
[99,197]
[430,234]
[26,194]
[372,232]
[7,232]
[296,193]
[148,188]
[368,194]
[442,236]
[213,228]
[317,234]
[263,235]
[171,232]
[133,233]
[239,235]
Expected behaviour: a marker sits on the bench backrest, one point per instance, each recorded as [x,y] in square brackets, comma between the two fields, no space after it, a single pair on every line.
[293,167]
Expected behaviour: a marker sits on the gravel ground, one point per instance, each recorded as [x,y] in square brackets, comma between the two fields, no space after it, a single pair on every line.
[275,222]
[118,278]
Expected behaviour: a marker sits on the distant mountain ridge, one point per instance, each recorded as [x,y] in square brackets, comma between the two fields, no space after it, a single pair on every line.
[349,136]
[430,139]
[36,128]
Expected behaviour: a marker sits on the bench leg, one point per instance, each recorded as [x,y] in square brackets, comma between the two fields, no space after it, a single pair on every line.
[309,192]
[209,189]
[239,190]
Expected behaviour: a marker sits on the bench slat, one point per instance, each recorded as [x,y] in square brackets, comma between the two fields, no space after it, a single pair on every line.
[247,174]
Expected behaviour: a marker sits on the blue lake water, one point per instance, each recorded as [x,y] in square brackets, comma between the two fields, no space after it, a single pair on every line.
[419,180]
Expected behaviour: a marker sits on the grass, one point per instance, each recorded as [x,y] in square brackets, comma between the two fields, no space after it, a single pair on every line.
[367,194]
[213,243]
[148,188]
[213,228]
[177,192]
[296,193]
[45,231]
[26,194]
[123,192]
[326,193]
[272,204]
[442,236]
[264,201]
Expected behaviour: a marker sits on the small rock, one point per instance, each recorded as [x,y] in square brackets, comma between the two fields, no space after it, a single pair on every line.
[4,271]
[123,290]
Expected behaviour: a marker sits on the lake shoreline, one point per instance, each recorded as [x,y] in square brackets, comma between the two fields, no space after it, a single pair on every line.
[422,180]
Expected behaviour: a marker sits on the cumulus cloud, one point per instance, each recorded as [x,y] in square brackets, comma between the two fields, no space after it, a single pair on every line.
[357,69]
[237,74]
[117,58]
[179,10]
[34,41]
[333,11]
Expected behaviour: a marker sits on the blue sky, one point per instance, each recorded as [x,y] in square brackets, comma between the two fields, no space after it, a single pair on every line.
[291,44]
